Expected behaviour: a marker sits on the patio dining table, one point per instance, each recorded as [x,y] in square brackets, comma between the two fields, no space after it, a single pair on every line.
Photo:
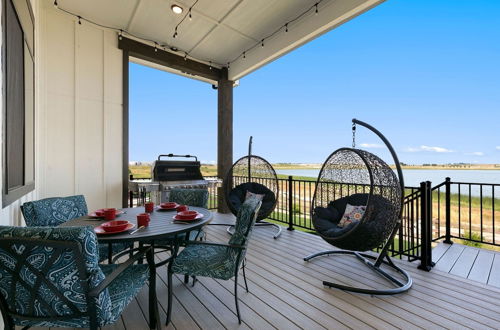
[161,228]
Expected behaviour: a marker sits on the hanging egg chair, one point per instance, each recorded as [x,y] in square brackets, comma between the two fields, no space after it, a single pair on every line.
[252,174]
[357,207]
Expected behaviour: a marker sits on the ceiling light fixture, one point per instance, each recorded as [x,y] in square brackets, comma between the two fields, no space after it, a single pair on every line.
[177,9]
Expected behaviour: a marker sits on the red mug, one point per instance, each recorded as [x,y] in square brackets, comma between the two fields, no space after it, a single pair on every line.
[143,219]
[182,208]
[110,214]
[149,207]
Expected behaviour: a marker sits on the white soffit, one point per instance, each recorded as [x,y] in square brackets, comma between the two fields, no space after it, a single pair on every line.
[221,30]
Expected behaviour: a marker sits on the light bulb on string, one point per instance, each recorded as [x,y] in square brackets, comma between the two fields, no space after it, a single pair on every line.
[286,27]
[244,55]
[316,10]
[190,15]
[120,35]
[185,56]
[210,65]
[156,47]
[262,43]
[55,4]
[80,20]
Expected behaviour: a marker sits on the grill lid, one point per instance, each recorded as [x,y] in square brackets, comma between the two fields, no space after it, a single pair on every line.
[176,170]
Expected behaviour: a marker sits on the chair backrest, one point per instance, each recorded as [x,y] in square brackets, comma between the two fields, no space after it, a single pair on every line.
[54,211]
[245,221]
[46,274]
[192,197]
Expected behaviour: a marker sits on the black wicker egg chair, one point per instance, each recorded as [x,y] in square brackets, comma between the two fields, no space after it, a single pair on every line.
[360,178]
[252,174]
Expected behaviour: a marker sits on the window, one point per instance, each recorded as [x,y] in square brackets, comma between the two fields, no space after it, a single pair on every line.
[18,100]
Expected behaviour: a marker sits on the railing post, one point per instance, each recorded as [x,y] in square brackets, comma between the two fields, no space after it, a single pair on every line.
[290,203]
[426,227]
[447,239]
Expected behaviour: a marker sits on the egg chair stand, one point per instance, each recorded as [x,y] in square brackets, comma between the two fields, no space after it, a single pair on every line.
[379,190]
[256,175]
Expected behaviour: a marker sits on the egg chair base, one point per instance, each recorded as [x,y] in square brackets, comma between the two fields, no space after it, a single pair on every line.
[277,233]
[400,286]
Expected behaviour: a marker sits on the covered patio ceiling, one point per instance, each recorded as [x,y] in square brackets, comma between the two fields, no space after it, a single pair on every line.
[243,35]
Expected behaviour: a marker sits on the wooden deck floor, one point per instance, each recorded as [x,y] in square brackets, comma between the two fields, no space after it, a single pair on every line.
[287,293]
[468,262]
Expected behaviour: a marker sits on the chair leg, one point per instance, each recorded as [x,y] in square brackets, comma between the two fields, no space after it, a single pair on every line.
[194,280]
[244,275]
[186,279]
[236,297]
[169,284]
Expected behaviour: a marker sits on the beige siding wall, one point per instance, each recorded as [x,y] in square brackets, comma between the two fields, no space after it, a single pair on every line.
[81,112]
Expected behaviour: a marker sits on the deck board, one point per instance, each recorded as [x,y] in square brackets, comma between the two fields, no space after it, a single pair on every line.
[494,278]
[471,263]
[481,269]
[287,292]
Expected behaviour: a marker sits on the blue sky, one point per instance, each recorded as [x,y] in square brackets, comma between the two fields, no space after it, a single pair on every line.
[425,73]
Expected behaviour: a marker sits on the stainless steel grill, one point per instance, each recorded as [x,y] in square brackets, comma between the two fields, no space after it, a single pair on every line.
[167,174]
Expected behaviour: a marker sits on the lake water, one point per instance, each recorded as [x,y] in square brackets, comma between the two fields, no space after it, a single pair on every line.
[414,177]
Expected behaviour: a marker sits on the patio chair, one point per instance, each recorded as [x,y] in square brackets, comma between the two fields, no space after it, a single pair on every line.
[252,175]
[51,212]
[50,277]
[191,197]
[357,207]
[216,260]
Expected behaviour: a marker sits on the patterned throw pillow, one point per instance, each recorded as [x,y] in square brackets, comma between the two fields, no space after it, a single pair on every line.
[353,213]
[250,194]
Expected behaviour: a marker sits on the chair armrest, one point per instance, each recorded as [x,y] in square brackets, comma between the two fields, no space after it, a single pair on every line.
[235,246]
[110,278]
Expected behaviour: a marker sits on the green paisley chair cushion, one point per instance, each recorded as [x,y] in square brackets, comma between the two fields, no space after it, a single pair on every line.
[54,211]
[192,197]
[219,261]
[207,260]
[51,212]
[63,275]
[245,221]
[125,287]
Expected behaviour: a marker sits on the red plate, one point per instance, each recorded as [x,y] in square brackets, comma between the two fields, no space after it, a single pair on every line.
[198,216]
[168,208]
[100,231]
[93,215]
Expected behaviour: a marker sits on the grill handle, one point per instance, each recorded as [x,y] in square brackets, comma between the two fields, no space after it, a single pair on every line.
[172,155]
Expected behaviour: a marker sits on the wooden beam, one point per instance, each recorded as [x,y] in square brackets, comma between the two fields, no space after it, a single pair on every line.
[161,57]
[224,133]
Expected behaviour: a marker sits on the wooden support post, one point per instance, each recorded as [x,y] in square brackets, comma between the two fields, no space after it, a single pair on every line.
[224,134]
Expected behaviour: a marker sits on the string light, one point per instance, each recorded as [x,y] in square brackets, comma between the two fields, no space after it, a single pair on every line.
[121,32]
[188,14]
[314,8]
[244,54]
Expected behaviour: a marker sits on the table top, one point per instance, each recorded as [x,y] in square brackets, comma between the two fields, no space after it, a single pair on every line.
[160,227]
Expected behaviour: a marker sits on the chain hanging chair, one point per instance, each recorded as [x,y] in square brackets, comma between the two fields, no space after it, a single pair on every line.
[359,178]
[252,174]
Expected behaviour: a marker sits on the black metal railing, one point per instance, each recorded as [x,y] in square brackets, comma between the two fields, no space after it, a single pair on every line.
[464,211]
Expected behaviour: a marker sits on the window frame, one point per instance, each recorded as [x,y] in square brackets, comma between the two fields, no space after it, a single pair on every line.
[12,194]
